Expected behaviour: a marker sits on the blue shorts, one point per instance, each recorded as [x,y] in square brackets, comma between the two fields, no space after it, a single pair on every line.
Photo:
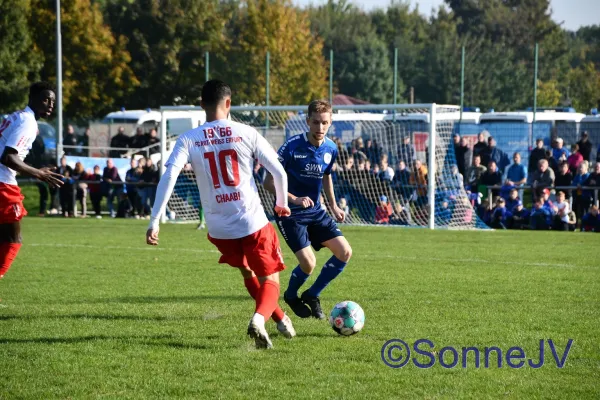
[308,228]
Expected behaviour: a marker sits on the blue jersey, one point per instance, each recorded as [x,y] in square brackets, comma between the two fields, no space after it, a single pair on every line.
[305,165]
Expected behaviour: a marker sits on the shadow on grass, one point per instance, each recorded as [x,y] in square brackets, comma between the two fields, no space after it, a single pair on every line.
[163,299]
[104,317]
[151,340]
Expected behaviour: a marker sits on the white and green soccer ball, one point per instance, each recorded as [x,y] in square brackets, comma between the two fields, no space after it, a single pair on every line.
[347,318]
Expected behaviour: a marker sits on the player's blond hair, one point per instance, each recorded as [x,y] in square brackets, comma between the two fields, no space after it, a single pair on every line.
[318,107]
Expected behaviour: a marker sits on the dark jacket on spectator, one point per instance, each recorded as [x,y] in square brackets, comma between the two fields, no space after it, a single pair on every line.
[544,179]
[70,140]
[138,141]
[464,157]
[585,148]
[564,180]
[535,156]
[120,140]
[482,149]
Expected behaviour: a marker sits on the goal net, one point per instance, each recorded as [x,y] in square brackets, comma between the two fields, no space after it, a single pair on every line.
[385,173]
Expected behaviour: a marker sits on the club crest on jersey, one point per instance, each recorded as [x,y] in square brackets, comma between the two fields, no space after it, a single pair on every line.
[327,158]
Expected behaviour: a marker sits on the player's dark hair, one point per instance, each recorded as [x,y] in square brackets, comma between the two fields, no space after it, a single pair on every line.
[214,91]
[318,107]
[36,89]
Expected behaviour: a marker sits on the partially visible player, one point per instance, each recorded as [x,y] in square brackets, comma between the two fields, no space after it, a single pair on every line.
[308,159]
[17,133]
[222,154]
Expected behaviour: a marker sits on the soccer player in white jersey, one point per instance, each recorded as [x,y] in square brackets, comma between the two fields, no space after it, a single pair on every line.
[17,133]
[222,154]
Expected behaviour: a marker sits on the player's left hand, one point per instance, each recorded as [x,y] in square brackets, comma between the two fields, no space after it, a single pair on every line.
[339,214]
[152,237]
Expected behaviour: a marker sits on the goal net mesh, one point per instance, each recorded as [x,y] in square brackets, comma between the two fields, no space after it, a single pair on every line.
[381,176]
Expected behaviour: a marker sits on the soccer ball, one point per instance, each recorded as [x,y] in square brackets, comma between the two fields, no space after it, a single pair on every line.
[347,318]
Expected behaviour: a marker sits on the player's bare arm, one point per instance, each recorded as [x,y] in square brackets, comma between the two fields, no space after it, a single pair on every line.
[10,158]
[338,213]
[305,201]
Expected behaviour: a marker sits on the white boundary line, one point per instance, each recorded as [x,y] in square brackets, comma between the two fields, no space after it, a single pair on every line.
[369,256]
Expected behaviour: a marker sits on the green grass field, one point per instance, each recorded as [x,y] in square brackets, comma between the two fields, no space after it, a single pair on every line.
[89,311]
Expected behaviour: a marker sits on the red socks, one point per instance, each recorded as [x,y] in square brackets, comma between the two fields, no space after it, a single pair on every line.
[8,252]
[253,286]
[266,301]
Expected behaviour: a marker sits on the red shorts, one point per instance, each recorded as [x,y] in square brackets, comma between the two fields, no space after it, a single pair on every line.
[259,251]
[11,204]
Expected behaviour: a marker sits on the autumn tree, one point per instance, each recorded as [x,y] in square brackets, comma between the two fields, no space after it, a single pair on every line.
[19,64]
[167,41]
[95,63]
[298,72]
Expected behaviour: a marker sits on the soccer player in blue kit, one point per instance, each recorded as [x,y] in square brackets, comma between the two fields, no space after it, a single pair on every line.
[308,159]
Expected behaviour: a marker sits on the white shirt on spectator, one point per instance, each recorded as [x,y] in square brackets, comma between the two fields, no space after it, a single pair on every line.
[563,211]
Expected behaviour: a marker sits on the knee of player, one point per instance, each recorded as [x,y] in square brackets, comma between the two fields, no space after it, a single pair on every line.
[345,254]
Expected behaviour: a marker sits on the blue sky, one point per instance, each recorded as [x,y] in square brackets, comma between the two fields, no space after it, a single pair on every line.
[573,13]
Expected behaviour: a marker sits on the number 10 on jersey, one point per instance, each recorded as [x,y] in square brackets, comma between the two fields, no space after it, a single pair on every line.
[229,179]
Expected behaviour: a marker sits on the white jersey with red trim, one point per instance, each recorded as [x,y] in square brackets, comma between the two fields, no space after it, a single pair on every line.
[222,155]
[17,131]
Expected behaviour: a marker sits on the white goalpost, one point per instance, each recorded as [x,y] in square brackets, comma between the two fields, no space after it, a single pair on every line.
[386,173]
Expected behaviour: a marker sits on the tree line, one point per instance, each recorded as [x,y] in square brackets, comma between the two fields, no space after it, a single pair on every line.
[147,53]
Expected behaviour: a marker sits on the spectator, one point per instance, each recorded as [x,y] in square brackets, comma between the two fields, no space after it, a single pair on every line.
[124,208]
[464,156]
[572,221]
[153,140]
[481,147]
[516,174]
[537,154]
[110,191]
[455,142]
[519,218]
[121,142]
[543,177]
[70,141]
[150,178]
[540,217]
[372,151]
[579,203]
[564,178]
[561,218]
[383,211]
[552,163]
[575,159]
[343,205]
[418,178]
[406,151]
[84,142]
[492,177]
[496,155]
[132,177]
[585,146]
[456,181]
[79,175]
[66,193]
[342,150]
[444,214]
[474,173]
[138,140]
[547,202]
[591,221]
[400,216]
[593,180]
[401,181]
[559,153]
[500,215]
[96,190]
[386,172]
[513,200]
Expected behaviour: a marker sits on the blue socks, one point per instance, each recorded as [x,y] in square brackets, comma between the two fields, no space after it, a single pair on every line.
[297,279]
[332,268]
